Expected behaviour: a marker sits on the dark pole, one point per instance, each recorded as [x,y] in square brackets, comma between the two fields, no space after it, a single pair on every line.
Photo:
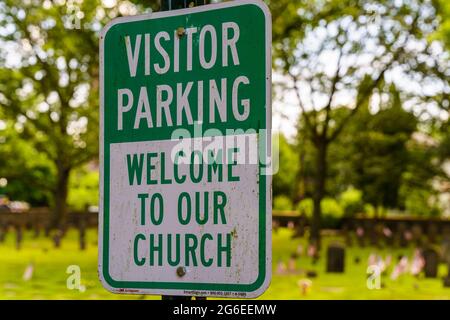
[167,5]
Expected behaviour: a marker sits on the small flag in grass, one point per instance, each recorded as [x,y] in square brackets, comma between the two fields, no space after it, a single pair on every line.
[28,274]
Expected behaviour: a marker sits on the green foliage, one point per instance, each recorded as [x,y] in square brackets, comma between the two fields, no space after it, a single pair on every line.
[423,171]
[285,179]
[378,152]
[49,89]
[331,208]
[369,211]
[282,203]
[305,207]
[389,157]
[83,189]
[332,211]
[29,173]
[419,202]
[443,32]
[444,147]
[49,99]
[332,49]
[351,201]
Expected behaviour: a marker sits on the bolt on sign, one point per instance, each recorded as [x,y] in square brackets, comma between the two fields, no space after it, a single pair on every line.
[185,192]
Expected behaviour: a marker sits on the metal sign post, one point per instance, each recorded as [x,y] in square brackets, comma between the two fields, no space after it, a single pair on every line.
[167,5]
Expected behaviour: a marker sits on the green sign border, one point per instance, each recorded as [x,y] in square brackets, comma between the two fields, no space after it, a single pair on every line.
[265,203]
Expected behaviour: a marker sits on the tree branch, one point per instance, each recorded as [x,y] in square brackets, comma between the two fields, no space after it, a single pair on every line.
[361,98]
[334,82]
[359,101]
[311,125]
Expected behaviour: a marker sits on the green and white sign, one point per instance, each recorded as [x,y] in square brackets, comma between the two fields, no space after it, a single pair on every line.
[185,191]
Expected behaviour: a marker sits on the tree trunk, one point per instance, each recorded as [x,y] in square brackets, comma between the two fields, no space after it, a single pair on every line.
[319,190]
[60,198]
[299,192]
[300,187]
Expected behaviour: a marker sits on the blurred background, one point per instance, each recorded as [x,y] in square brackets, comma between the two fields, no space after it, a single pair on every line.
[361,202]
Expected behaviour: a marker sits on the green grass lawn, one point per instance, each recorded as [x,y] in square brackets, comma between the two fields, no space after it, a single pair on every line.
[50,265]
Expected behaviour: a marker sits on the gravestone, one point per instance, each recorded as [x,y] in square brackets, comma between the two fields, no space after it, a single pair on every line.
[335,258]
[431,262]
[19,236]
[417,234]
[432,232]
[311,274]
